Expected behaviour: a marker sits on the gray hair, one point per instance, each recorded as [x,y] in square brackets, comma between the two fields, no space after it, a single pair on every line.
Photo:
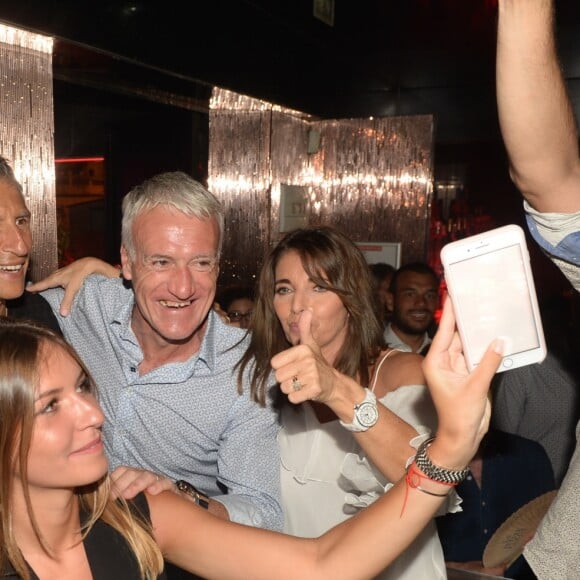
[7,174]
[175,189]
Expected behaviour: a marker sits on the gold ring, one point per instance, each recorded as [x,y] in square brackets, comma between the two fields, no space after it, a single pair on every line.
[296,384]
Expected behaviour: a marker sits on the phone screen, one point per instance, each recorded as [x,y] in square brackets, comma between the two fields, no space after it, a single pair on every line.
[494,300]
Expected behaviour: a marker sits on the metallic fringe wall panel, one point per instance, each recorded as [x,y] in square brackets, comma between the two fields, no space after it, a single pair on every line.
[27,133]
[372,178]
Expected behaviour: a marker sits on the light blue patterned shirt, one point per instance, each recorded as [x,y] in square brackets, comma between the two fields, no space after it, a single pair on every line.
[183,419]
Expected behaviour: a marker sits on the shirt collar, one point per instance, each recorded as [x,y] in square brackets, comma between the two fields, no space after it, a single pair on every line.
[207,352]
[395,341]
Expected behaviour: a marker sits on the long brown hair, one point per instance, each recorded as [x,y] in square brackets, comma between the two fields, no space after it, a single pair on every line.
[333,262]
[22,346]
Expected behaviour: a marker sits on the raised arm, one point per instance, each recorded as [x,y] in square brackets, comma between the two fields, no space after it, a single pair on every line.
[363,545]
[535,113]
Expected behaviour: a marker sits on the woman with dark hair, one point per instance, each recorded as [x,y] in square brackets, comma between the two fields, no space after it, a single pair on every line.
[358,410]
[59,520]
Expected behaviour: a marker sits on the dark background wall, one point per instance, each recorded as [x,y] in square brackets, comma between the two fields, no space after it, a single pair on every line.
[132,81]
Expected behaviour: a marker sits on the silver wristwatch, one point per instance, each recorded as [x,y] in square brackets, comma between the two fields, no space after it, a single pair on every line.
[197,496]
[366,414]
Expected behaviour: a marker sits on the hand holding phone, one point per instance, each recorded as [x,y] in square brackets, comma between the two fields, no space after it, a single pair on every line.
[492,290]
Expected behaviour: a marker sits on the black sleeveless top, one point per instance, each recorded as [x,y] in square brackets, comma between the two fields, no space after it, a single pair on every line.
[109,556]
[33,307]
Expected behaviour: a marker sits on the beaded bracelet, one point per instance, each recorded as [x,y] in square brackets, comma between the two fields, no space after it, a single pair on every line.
[423,468]
[435,472]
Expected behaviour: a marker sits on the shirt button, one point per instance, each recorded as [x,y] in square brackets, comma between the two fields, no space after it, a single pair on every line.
[485,531]
[133,369]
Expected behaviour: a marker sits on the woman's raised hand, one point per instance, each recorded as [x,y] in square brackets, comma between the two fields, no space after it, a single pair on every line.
[461,398]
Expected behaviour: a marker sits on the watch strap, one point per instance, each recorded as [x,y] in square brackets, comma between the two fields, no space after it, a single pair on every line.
[435,472]
[198,497]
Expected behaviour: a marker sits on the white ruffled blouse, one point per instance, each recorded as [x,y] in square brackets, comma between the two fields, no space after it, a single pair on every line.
[326,478]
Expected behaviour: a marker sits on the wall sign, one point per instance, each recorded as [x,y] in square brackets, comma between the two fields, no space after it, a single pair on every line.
[375,252]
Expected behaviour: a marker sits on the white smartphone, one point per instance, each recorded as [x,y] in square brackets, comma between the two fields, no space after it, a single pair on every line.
[490,284]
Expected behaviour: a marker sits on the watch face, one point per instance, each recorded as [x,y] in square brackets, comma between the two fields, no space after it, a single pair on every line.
[367,414]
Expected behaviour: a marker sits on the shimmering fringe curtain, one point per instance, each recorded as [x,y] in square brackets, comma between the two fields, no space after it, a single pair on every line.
[27,133]
[372,178]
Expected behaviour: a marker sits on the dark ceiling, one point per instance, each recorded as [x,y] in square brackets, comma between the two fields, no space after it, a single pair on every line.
[380,57]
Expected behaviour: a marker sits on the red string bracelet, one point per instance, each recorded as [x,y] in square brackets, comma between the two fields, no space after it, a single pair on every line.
[413,479]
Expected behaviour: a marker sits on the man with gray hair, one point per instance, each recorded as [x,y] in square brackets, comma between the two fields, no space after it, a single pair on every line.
[15,250]
[164,360]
